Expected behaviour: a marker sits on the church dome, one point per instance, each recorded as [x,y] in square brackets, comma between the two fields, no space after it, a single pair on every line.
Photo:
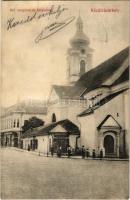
[79,38]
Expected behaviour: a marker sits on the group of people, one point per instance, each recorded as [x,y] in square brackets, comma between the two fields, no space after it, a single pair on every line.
[85,153]
[59,151]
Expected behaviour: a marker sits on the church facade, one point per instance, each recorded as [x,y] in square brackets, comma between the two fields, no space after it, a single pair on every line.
[95,99]
[94,102]
[105,122]
[65,101]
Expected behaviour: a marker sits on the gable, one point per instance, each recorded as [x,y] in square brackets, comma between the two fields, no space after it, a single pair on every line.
[109,121]
[53,96]
[58,128]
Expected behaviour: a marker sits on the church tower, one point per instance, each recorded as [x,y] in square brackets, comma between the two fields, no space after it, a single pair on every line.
[79,58]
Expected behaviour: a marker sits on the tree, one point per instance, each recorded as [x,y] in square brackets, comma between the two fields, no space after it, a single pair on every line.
[33,122]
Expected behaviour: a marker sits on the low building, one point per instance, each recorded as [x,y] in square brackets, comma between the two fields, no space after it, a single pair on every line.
[57,134]
[13,118]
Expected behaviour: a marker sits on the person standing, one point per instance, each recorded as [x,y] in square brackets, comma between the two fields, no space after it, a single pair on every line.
[28,147]
[94,154]
[83,152]
[101,154]
[52,151]
[69,151]
[87,153]
[59,151]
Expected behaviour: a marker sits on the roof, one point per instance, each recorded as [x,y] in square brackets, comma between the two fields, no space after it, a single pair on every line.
[105,119]
[98,75]
[105,100]
[123,77]
[71,92]
[80,36]
[69,126]
[28,107]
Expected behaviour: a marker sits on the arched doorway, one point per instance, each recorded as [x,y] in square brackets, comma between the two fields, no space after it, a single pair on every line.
[109,144]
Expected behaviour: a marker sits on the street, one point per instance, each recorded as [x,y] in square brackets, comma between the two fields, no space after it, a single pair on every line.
[27,176]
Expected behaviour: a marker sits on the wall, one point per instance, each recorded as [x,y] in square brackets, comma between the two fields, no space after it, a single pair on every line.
[11,121]
[127,119]
[43,144]
[66,109]
[54,108]
[45,141]
[88,131]
[26,142]
[116,105]
[72,141]
[119,104]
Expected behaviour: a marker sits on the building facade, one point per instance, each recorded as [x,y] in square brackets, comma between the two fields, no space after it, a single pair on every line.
[57,134]
[64,100]
[13,118]
[95,100]
[104,124]
[104,92]
[91,111]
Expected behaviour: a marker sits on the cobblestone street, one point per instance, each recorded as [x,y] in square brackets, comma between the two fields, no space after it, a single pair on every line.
[27,176]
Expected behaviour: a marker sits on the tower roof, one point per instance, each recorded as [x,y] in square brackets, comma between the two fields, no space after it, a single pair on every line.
[79,36]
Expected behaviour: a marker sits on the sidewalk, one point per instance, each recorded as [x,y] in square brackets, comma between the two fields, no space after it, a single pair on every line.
[72,157]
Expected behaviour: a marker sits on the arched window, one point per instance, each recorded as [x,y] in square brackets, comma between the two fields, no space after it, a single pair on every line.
[82,67]
[53,117]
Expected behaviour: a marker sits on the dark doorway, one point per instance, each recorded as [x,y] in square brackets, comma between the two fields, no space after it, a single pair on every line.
[109,144]
[60,141]
[16,142]
[15,139]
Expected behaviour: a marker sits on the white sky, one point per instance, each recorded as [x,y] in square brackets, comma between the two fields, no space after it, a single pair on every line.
[29,69]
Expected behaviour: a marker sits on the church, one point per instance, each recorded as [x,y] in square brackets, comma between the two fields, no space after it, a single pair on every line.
[94,103]
[66,100]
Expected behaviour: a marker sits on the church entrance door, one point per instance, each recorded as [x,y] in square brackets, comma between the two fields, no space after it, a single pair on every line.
[109,145]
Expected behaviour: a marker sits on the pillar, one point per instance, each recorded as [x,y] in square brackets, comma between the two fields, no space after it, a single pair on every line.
[117,145]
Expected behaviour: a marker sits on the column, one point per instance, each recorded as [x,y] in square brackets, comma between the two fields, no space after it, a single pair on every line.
[101,140]
[117,145]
